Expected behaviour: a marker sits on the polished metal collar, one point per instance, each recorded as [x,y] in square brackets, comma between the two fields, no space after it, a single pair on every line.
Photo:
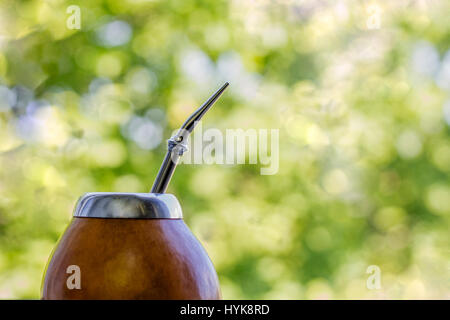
[128,205]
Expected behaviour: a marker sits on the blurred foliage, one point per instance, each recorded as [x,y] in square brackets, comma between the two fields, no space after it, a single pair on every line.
[362,105]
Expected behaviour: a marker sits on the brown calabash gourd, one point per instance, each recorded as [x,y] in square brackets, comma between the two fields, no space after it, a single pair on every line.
[133,245]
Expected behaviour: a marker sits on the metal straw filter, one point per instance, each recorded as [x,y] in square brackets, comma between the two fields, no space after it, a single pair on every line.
[177,144]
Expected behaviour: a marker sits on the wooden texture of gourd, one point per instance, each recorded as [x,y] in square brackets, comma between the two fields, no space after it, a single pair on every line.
[131,259]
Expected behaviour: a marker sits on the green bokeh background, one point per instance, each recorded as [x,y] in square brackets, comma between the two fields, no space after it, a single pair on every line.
[359,91]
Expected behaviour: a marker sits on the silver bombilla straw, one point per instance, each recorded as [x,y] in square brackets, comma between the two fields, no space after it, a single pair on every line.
[177,144]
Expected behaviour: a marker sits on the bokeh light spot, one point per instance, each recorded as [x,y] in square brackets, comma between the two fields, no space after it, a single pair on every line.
[109,65]
[336,182]
[409,144]
[438,199]
[115,33]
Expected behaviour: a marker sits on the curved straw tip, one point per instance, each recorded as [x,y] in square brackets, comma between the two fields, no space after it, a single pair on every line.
[222,88]
[168,166]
